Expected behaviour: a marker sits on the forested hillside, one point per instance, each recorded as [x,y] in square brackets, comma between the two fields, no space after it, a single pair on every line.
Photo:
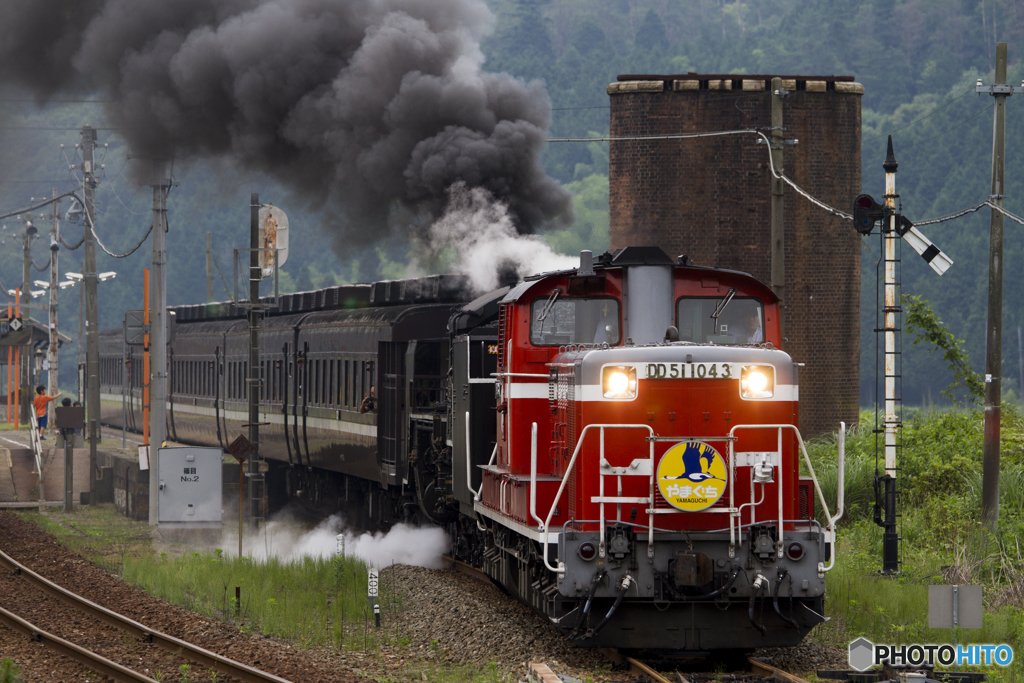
[918,61]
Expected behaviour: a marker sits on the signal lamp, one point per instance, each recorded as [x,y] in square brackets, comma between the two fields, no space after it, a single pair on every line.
[619,381]
[587,551]
[867,212]
[794,551]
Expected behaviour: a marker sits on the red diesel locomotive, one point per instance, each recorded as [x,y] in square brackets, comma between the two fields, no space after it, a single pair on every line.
[616,444]
[644,487]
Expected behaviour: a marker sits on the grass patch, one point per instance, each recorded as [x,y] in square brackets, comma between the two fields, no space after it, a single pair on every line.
[312,601]
[97,532]
[943,542]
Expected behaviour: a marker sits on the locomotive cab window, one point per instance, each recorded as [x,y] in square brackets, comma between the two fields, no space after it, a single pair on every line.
[555,321]
[740,321]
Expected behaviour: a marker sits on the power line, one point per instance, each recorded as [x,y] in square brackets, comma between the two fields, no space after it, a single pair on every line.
[68,246]
[781,176]
[32,101]
[222,280]
[976,207]
[948,129]
[127,253]
[49,128]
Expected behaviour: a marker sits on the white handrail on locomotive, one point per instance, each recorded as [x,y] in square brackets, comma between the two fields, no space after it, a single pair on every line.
[533,477]
[568,470]
[840,464]
[638,469]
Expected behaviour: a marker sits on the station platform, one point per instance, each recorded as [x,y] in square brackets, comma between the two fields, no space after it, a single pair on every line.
[19,480]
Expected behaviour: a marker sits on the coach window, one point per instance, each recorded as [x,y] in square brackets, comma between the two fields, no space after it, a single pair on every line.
[555,321]
[346,380]
[740,321]
[317,384]
[330,384]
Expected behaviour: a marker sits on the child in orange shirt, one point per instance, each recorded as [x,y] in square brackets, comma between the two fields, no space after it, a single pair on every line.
[40,402]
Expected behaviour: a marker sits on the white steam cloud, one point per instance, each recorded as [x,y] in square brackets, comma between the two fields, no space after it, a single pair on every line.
[477,232]
[403,544]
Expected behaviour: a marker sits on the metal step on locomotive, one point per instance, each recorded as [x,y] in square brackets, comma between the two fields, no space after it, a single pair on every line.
[615,444]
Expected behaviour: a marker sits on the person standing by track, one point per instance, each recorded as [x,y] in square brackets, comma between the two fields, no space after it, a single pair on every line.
[39,402]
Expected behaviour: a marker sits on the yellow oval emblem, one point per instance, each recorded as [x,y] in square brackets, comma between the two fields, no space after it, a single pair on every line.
[692,476]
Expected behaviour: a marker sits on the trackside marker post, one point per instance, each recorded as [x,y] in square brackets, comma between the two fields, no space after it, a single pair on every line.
[240,449]
[371,592]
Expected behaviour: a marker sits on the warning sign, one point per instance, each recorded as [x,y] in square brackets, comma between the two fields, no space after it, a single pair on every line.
[692,476]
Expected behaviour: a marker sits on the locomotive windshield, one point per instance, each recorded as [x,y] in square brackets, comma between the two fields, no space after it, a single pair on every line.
[574,321]
[740,322]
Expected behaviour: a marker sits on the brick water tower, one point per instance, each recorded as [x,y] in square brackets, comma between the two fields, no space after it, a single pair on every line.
[711,199]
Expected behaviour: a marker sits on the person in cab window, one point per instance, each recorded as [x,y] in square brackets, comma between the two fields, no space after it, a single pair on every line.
[369,404]
[608,326]
[752,326]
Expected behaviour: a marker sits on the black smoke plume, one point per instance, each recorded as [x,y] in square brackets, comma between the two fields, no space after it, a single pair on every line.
[372,106]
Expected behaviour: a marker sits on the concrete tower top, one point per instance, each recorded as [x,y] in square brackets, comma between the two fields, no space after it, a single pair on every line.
[630,83]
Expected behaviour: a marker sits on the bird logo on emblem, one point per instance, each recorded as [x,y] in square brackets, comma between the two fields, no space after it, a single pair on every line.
[694,470]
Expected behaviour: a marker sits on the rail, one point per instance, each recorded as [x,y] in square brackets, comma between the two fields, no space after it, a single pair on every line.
[197,654]
[88,658]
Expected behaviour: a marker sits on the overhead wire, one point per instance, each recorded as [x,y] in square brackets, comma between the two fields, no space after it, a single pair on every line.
[921,142]
[223,282]
[782,176]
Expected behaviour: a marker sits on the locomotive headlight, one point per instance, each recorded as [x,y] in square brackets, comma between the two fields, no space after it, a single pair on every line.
[757,381]
[619,382]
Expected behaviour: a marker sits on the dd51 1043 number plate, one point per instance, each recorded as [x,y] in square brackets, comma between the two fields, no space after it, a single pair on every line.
[690,371]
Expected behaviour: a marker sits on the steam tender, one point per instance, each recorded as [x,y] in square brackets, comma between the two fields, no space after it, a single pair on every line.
[616,444]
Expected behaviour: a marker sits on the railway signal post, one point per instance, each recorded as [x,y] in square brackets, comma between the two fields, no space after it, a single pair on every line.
[893,416]
[866,213]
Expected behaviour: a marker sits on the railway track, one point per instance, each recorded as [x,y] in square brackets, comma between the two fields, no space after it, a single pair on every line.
[758,669]
[98,663]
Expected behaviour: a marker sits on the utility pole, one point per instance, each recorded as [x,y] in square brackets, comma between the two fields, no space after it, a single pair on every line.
[26,358]
[209,267]
[158,340]
[81,336]
[255,276]
[92,339]
[778,251]
[51,351]
[994,332]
